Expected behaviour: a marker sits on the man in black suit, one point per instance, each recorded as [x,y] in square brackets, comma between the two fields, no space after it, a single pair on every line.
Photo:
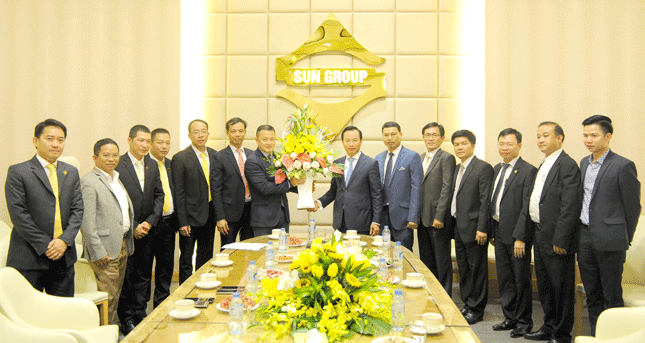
[554,209]
[469,210]
[139,175]
[45,204]
[434,236]
[356,195]
[610,194]
[192,175]
[232,193]
[162,238]
[511,233]
[270,207]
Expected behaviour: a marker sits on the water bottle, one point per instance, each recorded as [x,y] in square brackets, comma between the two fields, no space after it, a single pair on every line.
[269,256]
[312,230]
[236,316]
[386,241]
[398,313]
[251,278]
[397,260]
[282,241]
[382,269]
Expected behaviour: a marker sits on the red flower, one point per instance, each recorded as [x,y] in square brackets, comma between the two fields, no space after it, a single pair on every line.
[322,162]
[304,157]
[335,170]
[287,162]
[280,176]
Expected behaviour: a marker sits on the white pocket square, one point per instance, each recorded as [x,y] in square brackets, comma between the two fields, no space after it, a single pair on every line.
[402,168]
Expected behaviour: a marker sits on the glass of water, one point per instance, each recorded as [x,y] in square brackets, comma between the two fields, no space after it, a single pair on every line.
[418,329]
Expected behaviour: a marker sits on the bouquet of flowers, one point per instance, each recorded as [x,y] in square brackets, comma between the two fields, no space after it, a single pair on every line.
[331,288]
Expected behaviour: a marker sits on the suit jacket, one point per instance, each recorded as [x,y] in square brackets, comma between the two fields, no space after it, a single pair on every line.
[267,196]
[615,203]
[435,188]
[473,200]
[191,188]
[514,203]
[404,191]
[229,186]
[168,167]
[560,207]
[31,204]
[148,202]
[103,220]
[361,200]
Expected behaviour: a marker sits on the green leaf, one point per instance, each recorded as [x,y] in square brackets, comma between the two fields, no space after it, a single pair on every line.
[367,325]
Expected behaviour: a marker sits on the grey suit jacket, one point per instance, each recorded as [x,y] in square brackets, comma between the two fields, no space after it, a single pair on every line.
[435,189]
[103,220]
[31,204]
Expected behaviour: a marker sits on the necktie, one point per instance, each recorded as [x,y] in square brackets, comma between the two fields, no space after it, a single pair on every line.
[206,174]
[498,188]
[453,206]
[388,170]
[140,172]
[426,163]
[165,185]
[349,170]
[240,163]
[53,180]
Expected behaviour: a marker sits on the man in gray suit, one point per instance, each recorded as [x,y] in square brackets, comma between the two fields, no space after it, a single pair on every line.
[434,236]
[356,195]
[107,223]
[46,208]
[610,193]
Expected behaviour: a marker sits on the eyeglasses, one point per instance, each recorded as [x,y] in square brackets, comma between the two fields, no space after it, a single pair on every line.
[432,135]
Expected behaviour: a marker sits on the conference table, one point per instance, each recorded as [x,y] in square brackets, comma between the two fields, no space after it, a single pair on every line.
[160,327]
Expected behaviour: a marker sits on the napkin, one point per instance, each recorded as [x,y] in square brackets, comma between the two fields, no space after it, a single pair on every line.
[338,235]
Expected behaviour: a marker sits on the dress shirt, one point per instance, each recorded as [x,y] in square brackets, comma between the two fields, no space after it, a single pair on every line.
[545,167]
[45,163]
[429,156]
[395,154]
[355,157]
[589,181]
[508,172]
[121,197]
[460,174]
[139,171]
[172,205]
[234,149]
[199,158]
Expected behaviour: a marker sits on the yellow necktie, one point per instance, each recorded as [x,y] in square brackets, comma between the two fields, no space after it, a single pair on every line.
[206,173]
[53,180]
[166,186]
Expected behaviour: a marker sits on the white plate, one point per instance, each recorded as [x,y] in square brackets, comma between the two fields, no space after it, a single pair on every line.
[352,237]
[436,332]
[273,237]
[298,245]
[362,244]
[399,339]
[289,261]
[222,263]
[190,315]
[411,284]
[225,310]
[202,285]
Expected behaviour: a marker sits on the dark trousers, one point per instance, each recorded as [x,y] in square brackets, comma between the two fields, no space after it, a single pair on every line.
[163,251]
[601,273]
[556,286]
[204,238]
[434,252]
[282,223]
[515,288]
[57,280]
[472,261]
[403,235]
[242,226]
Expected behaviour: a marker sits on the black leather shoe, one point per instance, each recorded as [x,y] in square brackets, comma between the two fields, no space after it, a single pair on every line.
[559,340]
[463,310]
[127,327]
[518,332]
[539,335]
[505,325]
[472,318]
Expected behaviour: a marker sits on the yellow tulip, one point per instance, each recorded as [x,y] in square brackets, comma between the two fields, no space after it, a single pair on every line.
[332,271]
[317,271]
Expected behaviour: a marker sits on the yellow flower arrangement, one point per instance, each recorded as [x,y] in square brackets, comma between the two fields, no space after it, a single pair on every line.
[334,290]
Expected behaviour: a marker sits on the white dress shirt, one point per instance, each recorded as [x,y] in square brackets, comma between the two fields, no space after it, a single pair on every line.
[355,157]
[45,163]
[534,204]
[428,159]
[507,173]
[139,171]
[121,197]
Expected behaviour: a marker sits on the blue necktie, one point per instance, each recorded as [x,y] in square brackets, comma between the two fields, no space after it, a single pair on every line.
[388,170]
[349,171]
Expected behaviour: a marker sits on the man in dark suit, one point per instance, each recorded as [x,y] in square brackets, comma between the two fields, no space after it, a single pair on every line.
[270,207]
[356,195]
[162,238]
[610,194]
[139,175]
[401,175]
[232,193]
[469,219]
[434,236]
[192,175]
[45,204]
[554,209]
[511,233]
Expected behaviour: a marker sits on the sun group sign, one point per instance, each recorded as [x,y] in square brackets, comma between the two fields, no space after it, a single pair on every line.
[331,36]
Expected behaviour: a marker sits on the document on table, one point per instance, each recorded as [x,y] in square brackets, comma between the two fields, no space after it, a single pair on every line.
[245,246]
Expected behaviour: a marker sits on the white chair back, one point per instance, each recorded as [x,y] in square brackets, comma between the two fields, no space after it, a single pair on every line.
[4,250]
[5,230]
[15,333]
[634,268]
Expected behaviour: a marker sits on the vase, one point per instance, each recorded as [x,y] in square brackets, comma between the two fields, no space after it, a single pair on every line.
[305,193]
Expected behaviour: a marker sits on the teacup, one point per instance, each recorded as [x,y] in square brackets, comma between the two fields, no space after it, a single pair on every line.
[184,306]
[209,278]
[432,321]
[352,233]
[275,232]
[414,277]
[221,257]
[378,239]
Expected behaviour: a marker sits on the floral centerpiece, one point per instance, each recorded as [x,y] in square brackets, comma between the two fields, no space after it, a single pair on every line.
[331,288]
[302,154]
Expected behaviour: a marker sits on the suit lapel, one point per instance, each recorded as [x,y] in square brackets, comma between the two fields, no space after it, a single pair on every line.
[127,164]
[195,161]
[40,173]
[397,163]
[433,163]
[466,173]
[231,156]
[551,175]
[511,177]
[603,168]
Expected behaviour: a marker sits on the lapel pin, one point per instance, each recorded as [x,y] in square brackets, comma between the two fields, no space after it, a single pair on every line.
[64,172]
[515,172]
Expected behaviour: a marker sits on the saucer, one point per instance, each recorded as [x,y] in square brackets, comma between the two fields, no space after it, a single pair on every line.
[351,237]
[273,237]
[436,331]
[377,244]
[177,315]
[413,284]
[202,285]
[222,263]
